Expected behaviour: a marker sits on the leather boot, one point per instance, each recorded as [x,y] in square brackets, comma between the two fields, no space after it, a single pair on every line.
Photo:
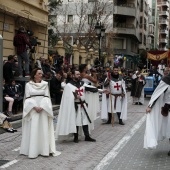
[109,118]
[76,140]
[86,133]
[120,120]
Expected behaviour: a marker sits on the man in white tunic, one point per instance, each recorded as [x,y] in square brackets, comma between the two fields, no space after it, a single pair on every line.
[73,111]
[117,100]
[158,116]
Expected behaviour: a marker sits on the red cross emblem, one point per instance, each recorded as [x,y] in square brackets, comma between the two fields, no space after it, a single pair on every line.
[80,91]
[117,86]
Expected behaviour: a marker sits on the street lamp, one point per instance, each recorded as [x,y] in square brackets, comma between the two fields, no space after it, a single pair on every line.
[100,31]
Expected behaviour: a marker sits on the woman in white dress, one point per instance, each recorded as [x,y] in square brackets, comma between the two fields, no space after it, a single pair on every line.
[37,124]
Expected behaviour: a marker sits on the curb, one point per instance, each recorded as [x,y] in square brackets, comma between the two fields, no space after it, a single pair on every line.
[16,121]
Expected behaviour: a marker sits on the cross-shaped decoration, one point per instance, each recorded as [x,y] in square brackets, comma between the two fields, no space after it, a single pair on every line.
[117,86]
[80,91]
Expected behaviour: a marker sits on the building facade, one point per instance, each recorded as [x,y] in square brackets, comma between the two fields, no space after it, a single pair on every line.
[126,24]
[163,6]
[32,14]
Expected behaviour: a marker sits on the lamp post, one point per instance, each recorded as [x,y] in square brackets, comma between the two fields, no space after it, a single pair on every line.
[100,31]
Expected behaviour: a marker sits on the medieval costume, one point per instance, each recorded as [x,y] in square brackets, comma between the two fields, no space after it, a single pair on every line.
[161,68]
[74,113]
[92,98]
[157,123]
[37,128]
[116,102]
[137,92]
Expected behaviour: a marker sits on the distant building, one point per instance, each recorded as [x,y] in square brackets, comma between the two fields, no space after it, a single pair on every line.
[126,24]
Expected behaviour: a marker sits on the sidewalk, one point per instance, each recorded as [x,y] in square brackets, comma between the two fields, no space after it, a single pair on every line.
[16,121]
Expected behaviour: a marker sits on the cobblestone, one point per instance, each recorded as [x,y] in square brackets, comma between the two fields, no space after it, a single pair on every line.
[84,155]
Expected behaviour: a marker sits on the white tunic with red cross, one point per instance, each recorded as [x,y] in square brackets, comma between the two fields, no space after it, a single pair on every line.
[81,118]
[115,88]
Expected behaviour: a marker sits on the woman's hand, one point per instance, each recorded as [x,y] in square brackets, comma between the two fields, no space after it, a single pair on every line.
[148,110]
[38,109]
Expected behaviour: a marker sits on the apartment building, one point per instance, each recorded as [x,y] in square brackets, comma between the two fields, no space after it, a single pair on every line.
[163,6]
[32,14]
[125,22]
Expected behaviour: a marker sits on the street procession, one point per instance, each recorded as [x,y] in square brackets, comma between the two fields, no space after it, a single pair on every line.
[85,85]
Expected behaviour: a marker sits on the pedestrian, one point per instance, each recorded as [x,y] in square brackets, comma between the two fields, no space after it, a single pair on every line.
[37,124]
[7,69]
[92,96]
[116,101]
[73,113]
[158,115]
[137,90]
[21,42]
[161,67]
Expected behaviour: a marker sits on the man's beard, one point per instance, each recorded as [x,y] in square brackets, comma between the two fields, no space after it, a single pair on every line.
[116,76]
[77,79]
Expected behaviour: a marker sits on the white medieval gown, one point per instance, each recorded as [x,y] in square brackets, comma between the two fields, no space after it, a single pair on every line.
[68,117]
[157,126]
[37,128]
[121,103]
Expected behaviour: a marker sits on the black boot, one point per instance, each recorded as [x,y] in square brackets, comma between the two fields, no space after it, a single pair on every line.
[120,120]
[169,153]
[86,133]
[109,118]
[76,140]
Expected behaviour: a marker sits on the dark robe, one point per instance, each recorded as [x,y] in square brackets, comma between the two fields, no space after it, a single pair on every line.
[137,87]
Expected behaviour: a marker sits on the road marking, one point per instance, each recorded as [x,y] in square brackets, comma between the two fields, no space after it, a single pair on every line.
[118,147]
[9,164]
[16,149]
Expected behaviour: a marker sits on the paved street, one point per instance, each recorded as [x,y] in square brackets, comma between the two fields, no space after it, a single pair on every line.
[118,147]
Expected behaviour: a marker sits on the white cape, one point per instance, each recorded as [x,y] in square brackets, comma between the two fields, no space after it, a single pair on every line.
[37,128]
[105,105]
[157,126]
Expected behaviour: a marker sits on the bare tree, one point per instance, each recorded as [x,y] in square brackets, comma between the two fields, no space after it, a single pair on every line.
[86,15]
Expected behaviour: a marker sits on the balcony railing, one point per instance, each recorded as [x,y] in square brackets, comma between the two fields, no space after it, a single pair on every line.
[163,21]
[163,40]
[163,31]
[130,5]
[165,3]
[123,25]
[164,13]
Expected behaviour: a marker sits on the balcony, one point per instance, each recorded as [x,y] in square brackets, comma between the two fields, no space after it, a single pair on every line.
[163,40]
[165,13]
[163,31]
[123,28]
[125,9]
[163,21]
[165,3]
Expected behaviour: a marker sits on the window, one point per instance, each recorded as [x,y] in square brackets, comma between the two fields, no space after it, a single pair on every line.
[70,19]
[118,43]
[70,0]
[92,18]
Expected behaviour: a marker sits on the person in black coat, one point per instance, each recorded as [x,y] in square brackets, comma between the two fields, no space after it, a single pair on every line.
[56,90]
[15,91]
[8,69]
